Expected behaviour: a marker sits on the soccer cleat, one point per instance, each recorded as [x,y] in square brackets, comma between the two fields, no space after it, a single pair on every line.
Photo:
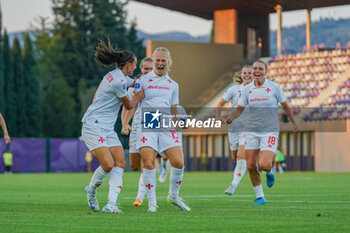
[111,208]
[152,207]
[230,190]
[92,200]
[260,201]
[179,203]
[270,179]
[137,203]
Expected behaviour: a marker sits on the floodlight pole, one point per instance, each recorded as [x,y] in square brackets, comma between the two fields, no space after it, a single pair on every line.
[278,9]
[308,30]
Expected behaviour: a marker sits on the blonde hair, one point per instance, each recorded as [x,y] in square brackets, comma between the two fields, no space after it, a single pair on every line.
[237,77]
[167,53]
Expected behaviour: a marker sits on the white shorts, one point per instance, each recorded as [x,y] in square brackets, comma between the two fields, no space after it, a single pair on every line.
[133,139]
[236,139]
[95,137]
[261,141]
[159,141]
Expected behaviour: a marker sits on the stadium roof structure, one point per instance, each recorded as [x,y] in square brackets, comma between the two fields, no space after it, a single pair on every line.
[205,8]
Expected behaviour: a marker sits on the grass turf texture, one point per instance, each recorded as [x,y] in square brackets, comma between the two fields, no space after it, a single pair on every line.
[299,202]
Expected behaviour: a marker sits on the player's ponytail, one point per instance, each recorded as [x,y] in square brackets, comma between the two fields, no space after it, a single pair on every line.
[107,56]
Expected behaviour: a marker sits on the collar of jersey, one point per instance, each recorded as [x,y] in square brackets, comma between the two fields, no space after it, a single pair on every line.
[153,75]
[264,84]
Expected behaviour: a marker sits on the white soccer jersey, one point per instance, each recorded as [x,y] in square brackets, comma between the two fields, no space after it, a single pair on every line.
[160,92]
[106,104]
[263,106]
[233,94]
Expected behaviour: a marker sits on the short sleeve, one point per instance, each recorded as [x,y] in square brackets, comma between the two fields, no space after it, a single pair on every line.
[228,95]
[129,81]
[138,85]
[243,100]
[175,95]
[119,88]
[280,95]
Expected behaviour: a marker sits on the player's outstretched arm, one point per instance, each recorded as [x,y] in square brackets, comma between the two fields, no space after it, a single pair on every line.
[4,129]
[236,113]
[289,113]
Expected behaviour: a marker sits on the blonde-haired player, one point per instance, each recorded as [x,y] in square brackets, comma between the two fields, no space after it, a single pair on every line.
[236,129]
[161,92]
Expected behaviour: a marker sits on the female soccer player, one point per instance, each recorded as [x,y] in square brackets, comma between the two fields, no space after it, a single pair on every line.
[99,120]
[146,65]
[236,129]
[262,97]
[161,92]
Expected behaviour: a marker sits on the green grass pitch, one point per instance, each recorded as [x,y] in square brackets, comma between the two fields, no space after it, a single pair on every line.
[299,202]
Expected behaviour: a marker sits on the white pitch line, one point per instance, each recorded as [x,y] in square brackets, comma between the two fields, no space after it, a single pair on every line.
[296,201]
[205,197]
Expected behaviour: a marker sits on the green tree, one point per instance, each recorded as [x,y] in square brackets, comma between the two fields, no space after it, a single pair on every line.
[32,90]
[19,90]
[67,51]
[59,110]
[2,80]
[10,91]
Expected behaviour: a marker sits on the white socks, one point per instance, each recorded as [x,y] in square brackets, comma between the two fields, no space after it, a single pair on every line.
[149,180]
[97,179]
[239,172]
[176,176]
[142,191]
[115,184]
[258,191]
[165,164]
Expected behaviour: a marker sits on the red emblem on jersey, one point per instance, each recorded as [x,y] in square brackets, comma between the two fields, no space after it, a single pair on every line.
[119,187]
[143,140]
[270,146]
[169,81]
[151,80]
[268,90]
[149,186]
[101,140]
[250,92]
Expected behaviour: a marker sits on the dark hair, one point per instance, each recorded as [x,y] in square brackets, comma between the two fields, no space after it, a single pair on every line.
[107,56]
[262,63]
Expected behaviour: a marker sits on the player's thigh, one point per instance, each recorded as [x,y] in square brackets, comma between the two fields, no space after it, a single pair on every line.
[148,156]
[175,157]
[266,160]
[135,161]
[251,157]
[104,156]
[118,156]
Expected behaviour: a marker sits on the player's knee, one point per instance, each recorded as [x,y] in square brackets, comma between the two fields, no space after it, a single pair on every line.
[177,164]
[148,164]
[251,166]
[120,164]
[107,167]
[265,165]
